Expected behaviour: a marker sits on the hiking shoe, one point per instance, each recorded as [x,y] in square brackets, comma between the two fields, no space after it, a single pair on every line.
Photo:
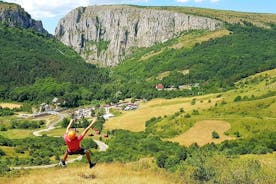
[91,165]
[62,163]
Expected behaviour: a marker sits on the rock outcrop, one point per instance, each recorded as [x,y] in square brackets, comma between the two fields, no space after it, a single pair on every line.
[13,15]
[106,34]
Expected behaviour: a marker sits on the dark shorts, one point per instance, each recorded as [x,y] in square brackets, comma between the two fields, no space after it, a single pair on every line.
[81,151]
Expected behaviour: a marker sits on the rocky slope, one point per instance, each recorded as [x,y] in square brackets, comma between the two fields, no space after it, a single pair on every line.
[15,16]
[107,34]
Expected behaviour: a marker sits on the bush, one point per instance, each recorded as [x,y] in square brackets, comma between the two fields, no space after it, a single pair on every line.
[161,160]
[193,102]
[5,141]
[3,168]
[65,122]
[89,143]
[152,121]
[6,111]
[195,112]
[237,134]
[215,135]
[2,153]
[3,128]
[187,115]
[27,124]
[237,98]
[259,149]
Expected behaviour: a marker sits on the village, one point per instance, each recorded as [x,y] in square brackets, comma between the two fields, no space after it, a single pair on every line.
[86,112]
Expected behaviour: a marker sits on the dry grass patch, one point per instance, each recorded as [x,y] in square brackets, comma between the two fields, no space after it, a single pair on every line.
[135,120]
[189,41]
[232,17]
[150,54]
[201,133]
[10,105]
[101,174]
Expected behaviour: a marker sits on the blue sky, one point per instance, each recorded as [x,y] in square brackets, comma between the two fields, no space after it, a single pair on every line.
[50,11]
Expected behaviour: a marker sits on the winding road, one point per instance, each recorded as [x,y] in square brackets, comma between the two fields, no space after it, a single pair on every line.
[102,146]
[52,125]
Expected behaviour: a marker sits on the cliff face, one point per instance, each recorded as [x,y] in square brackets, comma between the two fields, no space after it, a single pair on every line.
[106,34]
[15,16]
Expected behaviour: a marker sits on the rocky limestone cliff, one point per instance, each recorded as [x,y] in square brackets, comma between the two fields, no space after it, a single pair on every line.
[106,34]
[13,15]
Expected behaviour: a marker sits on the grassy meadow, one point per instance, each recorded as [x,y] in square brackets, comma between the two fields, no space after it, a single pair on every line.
[254,113]
[139,172]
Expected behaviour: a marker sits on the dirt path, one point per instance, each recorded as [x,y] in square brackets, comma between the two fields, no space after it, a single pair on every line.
[52,125]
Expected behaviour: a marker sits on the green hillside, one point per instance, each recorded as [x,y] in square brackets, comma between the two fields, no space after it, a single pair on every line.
[195,62]
[214,64]
[26,57]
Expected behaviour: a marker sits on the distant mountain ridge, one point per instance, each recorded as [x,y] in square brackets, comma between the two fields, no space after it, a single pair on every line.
[14,15]
[107,34]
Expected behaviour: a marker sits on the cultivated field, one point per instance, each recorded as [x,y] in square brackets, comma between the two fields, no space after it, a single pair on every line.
[201,133]
[135,120]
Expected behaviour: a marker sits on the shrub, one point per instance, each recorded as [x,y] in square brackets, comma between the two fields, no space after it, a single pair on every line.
[259,149]
[65,122]
[215,135]
[187,115]
[3,167]
[2,153]
[89,143]
[3,128]
[237,134]
[237,98]
[193,102]
[161,160]
[195,112]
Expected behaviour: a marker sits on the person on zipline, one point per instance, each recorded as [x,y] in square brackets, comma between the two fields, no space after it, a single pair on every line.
[73,144]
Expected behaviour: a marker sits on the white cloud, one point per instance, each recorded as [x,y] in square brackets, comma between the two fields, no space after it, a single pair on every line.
[52,8]
[214,1]
[197,1]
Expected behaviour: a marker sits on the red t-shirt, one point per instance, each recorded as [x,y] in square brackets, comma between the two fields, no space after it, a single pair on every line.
[73,145]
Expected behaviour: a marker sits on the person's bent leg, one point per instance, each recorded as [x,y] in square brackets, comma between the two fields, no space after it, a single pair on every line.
[88,156]
[62,162]
[65,156]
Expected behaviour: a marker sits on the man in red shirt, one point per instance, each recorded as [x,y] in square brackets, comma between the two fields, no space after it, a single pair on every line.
[73,143]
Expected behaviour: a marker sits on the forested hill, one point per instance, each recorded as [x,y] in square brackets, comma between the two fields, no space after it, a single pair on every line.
[213,65]
[26,56]
[36,67]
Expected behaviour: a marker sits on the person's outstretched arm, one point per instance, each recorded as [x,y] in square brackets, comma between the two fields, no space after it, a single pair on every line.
[91,124]
[69,126]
